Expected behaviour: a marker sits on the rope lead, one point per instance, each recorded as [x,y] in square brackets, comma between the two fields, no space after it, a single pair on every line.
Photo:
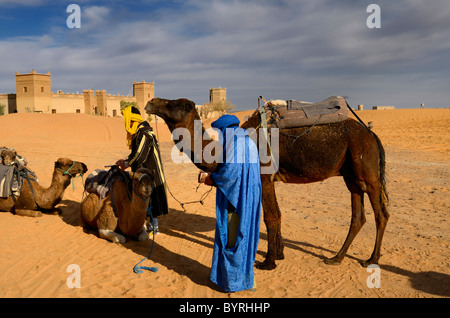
[138,269]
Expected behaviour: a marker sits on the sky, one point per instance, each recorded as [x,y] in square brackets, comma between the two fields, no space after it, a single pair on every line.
[284,49]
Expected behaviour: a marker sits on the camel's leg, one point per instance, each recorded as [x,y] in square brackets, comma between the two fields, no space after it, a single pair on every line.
[107,223]
[54,211]
[111,236]
[357,221]
[7,205]
[381,219]
[272,219]
[24,212]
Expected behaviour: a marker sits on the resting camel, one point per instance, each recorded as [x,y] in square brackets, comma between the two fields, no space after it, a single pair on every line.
[131,208]
[346,149]
[37,199]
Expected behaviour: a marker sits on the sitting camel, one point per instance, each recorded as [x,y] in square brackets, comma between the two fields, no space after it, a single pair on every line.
[35,199]
[122,209]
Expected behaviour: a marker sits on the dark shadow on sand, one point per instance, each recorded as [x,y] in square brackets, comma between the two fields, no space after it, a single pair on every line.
[430,282]
[184,226]
[70,212]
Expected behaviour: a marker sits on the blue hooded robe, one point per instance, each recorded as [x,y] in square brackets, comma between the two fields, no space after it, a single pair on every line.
[238,185]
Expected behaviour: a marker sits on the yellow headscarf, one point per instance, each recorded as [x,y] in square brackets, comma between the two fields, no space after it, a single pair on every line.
[132,122]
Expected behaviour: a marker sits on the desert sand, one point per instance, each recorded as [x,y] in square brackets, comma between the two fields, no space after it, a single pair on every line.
[415,263]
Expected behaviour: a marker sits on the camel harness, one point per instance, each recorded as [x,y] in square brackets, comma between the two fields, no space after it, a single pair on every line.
[73,177]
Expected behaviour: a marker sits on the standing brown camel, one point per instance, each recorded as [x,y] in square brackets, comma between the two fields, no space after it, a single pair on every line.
[346,149]
[129,206]
[36,199]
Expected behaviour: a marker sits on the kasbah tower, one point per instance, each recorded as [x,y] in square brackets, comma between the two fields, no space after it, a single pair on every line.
[34,95]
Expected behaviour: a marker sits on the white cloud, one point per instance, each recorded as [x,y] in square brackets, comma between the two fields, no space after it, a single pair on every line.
[95,15]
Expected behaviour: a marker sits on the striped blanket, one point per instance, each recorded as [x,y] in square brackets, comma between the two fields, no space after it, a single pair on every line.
[6,180]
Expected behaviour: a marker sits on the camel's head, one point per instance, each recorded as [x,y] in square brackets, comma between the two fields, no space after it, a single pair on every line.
[143,182]
[172,111]
[8,157]
[70,167]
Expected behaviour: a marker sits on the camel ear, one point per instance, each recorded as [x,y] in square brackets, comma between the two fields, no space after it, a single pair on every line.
[162,101]
[188,105]
[158,101]
[57,164]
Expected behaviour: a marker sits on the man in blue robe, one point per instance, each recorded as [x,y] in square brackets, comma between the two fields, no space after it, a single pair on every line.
[238,207]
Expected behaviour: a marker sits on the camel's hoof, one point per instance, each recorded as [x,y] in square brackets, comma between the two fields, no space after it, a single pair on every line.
[332,261]
[120,239]
[368,262]
[143,237]
[266,265]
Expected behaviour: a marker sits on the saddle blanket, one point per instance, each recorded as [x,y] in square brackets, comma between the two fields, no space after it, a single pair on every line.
[292,113]
[100,181]
[6,179]
[11,180]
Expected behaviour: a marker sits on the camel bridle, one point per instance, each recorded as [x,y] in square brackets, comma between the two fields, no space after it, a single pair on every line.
[73,177]
[142,197]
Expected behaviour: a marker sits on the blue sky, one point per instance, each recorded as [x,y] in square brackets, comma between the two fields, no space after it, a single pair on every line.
[290,49]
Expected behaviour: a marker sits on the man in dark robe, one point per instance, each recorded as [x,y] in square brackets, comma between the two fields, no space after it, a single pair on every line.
[145,153]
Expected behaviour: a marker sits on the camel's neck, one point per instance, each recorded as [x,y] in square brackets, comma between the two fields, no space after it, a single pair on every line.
[59,183]
[48,198]
[199,139]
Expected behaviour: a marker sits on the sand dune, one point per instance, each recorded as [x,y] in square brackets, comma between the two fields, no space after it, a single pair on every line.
[36,252]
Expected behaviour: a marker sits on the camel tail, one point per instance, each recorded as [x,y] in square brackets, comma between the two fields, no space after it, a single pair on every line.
[384,193]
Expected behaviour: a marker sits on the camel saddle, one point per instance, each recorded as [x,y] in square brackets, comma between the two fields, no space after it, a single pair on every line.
[100,181]
[292,113]
[12,176]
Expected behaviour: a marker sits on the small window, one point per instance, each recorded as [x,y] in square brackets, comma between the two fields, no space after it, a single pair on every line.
[24,89]
[78,111]
[42,89]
